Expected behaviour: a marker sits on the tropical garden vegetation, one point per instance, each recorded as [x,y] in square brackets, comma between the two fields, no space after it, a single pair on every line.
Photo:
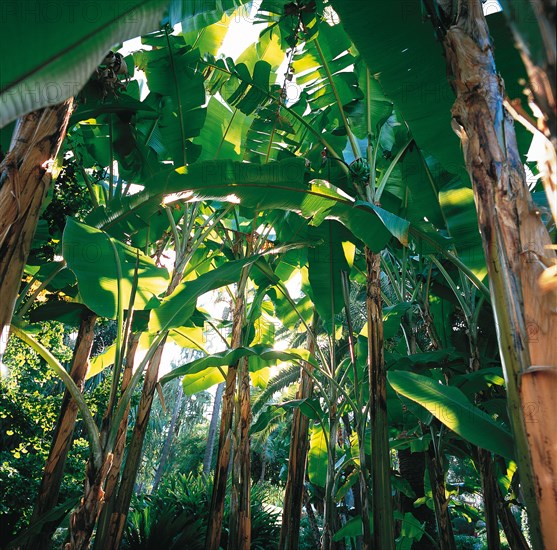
[300,294]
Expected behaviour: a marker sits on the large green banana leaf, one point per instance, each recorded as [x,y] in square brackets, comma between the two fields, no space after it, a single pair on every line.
[326,262]
[317,456]
[450,406]
[399,45]
[277,185]
[203,373]
[103,264]
[177,309]
[169,72]
[50,49]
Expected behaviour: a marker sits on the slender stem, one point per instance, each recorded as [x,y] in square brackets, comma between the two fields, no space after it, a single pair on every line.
[371,184]
[453,259]
[388,172]
[111,167]
[225,133]
[373,167]
[126,396]
[174,229]
[54,364]
[24,292]
[465,307]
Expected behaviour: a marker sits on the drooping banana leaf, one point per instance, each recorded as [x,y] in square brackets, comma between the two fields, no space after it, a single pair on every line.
[450,406]
[398,44]
[61,44]
[101,264]
[207,371]
[326,262]
[277,185]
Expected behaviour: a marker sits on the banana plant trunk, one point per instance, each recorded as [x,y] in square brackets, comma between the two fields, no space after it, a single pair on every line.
[484,461]
[226,436]
[297,458]
[489,489]
[240,517]
[25,176]
[63,434]
[84,518]
[330,523]
[120,508]
[512,530]
[382,507]
[104,534]
[517,249]
[135,447]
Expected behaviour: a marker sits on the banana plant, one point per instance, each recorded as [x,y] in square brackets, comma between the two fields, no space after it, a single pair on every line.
[432,76]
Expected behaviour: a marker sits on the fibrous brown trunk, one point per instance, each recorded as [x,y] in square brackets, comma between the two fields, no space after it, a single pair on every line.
[484,461]
[297,458]
[84,518]
[517,249]
[382,508]
[489,489]
[226,436]
[25,176]
[63,434]
[512,530]
[133,459]
[103,530]
[442,516]
[240,517]
[208,456]
[120,508]
[314,528]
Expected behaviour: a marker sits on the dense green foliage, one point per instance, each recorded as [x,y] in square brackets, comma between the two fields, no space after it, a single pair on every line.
[194,170]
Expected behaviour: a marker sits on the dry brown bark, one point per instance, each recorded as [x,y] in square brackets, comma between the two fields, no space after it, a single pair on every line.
[84,518]
[63,434]
[240,517]
[517,249]
[131,467]
[104,534]
[382,510]
[297,457]
[226,436]
[25,176]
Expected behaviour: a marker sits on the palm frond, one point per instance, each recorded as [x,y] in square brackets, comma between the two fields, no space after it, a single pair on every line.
[278,383]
